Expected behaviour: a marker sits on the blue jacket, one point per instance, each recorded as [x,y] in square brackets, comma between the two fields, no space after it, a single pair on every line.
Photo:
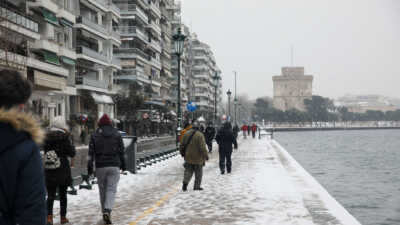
[22,187]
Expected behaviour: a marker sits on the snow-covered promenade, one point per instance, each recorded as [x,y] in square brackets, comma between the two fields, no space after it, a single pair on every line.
[267,186]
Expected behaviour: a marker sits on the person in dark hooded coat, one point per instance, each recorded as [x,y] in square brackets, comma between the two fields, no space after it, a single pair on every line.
[22,186]
[209,135]
[225,140]
[59,141]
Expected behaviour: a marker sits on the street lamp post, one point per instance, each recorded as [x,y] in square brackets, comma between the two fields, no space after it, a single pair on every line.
[179,40]
[216,79]
[235,100]
[229,93]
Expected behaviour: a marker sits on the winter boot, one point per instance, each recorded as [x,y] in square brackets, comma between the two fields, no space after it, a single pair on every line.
[64,220]
[198,189]
[107,216]
[184,187]
[49,220]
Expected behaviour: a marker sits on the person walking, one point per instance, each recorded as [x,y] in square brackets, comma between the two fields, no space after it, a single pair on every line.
[57,148]
[194,151]
[209,135]
[253,130]
[236,131]
[225,140]
[248,130]
[244,129]
[22,184]
[106,149]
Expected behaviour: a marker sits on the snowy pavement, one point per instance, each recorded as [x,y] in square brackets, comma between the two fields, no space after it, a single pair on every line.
[266,186]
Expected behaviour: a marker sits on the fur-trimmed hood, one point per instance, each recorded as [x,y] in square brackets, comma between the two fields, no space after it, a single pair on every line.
[19,123]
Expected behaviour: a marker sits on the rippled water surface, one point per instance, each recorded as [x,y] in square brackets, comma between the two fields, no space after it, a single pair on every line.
[361,169]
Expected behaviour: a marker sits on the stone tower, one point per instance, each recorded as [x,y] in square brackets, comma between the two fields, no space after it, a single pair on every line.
[291,88]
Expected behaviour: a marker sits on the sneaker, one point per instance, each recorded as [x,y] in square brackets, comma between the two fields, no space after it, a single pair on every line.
[107,217]
[198,189]
[184,187]
[64,220]
[49,220]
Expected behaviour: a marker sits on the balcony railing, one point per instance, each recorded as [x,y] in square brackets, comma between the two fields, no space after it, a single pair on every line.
[155,9]
[115,35]
[155,27]
[115,8]
[130,52]
[132,8]
[19,19]
[131,30]
[92,24]
[91,53]
[116,61]
[156,45]
[90,82]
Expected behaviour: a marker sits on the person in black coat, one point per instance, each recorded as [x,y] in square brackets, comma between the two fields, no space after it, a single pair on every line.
[22,187]
[57,168]
[225,140]
[209,135]
[106,151]
[236,131]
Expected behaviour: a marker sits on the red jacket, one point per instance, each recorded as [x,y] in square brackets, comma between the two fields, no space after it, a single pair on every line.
[254,128]
[244,128]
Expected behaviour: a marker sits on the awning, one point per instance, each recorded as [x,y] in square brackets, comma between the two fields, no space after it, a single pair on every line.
[102,99]
[50,17]
[49,81]
[68,61]
[51,57]
[66,22]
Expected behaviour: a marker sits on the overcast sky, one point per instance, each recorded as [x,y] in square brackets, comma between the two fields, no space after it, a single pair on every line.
[350,46]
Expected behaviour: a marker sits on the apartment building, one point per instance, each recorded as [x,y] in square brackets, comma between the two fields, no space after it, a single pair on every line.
[96,38]
[51,57]
[204,68]
[141,48]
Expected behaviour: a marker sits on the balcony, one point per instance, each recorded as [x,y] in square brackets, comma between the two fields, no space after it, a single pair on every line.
[70,53]
[129,9]
[91,55]
[80,80]
[114,9]
[46,4]
[19,23]
[155,45]
[131,53]
[156,63]
[155,9]
[116,63]
[62,13]
[133,31]
[115,36]
[155,27]
[92,26]
[49,45]
[101,4]
[40,65]
[133,75]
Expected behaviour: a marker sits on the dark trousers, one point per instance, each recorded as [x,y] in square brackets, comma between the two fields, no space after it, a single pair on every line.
[253,133]
[51,195]
[198,174]
[225,159]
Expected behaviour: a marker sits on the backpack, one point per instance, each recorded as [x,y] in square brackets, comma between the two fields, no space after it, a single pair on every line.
[51,160]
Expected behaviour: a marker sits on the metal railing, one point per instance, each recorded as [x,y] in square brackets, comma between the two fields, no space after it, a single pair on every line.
[129,52]
[132,30]
[92,24]
[132,8]
[91,53]
[19,19]
[90,82]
